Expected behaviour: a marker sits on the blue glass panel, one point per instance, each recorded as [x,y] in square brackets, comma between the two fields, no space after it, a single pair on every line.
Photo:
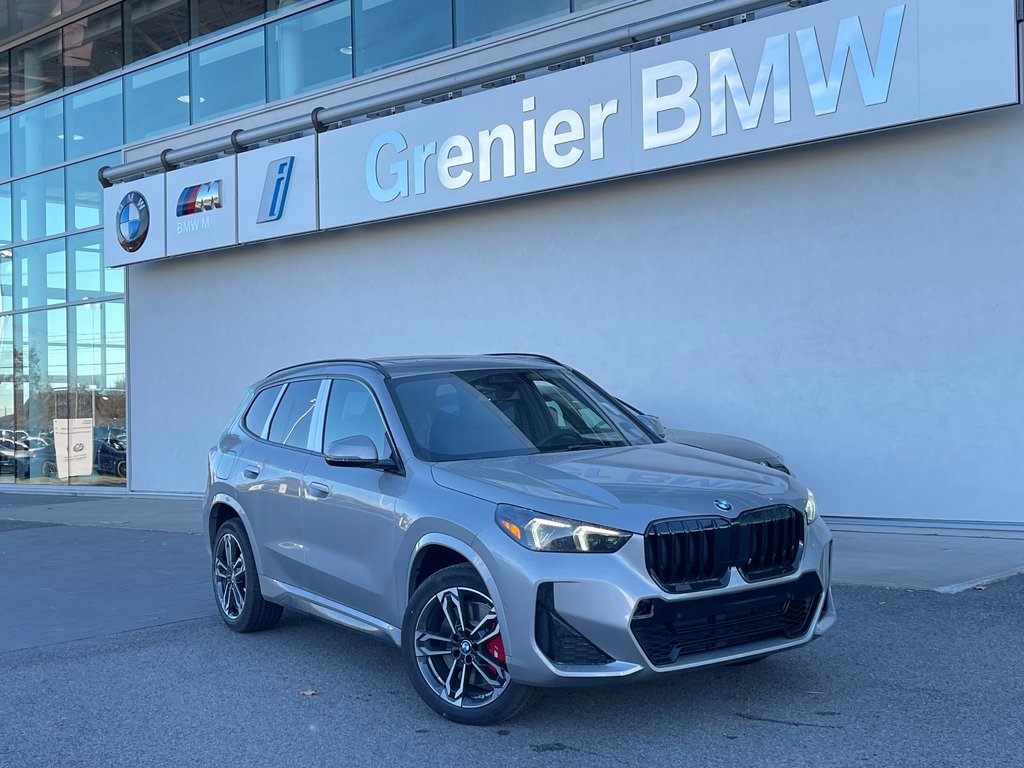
[6,284]
[84,193]
[309,50]
[229,76]
[5,148]
[37,138]
[40,274]
[87,277]
[93,120]
[477,19]
[38,203]
[156,100]
[6,222]
[392,31]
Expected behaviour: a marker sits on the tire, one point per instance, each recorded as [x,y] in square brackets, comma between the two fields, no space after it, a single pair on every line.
[483,692]
[243,609]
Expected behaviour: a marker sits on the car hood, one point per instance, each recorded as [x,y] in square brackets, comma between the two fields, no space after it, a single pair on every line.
[625,488]
[739,447]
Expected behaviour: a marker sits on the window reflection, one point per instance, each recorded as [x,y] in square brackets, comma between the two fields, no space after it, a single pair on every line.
[213,15]
[476,19]
[38,205]
[154,26]
[6,222]
[5,147]
[6,281]
[87,277]
[5,80]
[93,46]
[228,77]
[93,120]
[84,193]
[309,50]
[156,99]
[392,31]
[37,137]
[40,274]
[36,68]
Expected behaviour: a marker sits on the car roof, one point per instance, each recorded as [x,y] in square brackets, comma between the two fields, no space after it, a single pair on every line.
[397,367]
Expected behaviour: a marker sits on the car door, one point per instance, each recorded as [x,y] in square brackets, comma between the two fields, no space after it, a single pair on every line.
[349,514]
[270,470]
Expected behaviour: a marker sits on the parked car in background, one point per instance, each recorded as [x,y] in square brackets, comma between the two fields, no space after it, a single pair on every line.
[508,524]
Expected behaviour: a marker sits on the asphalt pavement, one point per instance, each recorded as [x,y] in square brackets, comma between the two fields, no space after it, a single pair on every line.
[111,654]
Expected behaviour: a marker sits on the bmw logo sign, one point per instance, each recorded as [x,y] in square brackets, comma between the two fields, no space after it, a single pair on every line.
[723,505]
[132,221]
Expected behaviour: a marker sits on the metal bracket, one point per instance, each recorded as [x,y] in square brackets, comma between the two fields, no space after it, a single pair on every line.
[235,145]
[314,119]
[103,179]
[163,160]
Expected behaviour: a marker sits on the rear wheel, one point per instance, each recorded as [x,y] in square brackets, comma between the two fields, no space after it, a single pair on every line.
[236,585]
[454,652]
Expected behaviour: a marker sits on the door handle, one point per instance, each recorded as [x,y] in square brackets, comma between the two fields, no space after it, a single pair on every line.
[319,490]
[251,472]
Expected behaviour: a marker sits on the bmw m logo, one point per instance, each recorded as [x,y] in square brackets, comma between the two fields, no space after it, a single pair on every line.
[132,221]
[199,198]
[723,505]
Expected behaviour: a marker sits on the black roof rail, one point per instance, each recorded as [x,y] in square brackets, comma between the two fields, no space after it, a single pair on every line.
[343,360]
[545,358]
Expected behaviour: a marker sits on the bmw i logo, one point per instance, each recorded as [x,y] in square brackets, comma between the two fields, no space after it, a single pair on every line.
[723,505]
[132,221]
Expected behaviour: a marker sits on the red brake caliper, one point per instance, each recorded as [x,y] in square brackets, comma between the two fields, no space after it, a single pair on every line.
[496,650]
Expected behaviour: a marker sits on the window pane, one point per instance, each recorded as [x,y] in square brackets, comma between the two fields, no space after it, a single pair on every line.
[586,5]
[156,99]
[476,19]
[36,68]
[213,15]
[5,80]
[294,415]
[8,465]
[152,26]
[87,277]
[93,46]
[5,148]
[6,284]
[93,120]
[309,50]
[38,205]
[6,224]
[256,416]
[40,274]
[96,362]
[37,138]
[392,31]
[84,193]
[228,77]
[351,411]
[41,391]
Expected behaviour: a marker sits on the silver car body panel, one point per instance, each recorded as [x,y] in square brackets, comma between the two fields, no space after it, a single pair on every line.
[349,556]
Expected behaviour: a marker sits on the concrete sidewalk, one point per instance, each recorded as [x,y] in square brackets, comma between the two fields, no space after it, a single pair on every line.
[870,554]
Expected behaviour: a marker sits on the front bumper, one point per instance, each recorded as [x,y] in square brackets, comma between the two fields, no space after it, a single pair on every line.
[600,595]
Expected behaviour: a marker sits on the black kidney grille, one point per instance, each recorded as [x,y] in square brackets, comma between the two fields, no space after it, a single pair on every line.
[671,631]
[690,554]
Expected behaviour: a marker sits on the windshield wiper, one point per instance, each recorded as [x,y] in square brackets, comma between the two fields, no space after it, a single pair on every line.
[590,446]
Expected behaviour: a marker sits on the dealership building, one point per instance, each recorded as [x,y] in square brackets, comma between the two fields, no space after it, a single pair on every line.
[796,222]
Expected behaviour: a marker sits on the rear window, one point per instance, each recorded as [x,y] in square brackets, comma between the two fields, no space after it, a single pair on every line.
[256,416]
[294,416]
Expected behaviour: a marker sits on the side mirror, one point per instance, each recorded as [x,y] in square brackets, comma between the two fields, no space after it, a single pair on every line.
[355,451]
[654,424]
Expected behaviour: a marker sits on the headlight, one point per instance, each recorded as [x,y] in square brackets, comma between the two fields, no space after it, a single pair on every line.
[810,508]
[543,533]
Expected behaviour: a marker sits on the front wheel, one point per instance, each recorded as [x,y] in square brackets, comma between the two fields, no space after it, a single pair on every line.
[454,652]
[236,585]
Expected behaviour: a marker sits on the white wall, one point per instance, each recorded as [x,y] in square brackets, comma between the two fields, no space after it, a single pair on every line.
[858,305]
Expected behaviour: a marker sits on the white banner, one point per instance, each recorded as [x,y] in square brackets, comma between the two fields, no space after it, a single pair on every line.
[73,444]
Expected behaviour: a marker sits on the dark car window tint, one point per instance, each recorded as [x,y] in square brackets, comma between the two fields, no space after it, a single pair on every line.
[256,416]
[294,415]
[352,410]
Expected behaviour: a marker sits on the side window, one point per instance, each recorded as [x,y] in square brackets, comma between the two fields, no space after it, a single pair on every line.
[256,416]
[294,415]
[352,410]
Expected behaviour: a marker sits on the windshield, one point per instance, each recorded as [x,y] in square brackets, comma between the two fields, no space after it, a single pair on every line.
[477,414]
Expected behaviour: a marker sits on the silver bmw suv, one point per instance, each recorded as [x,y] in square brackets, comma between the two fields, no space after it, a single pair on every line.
[508,524]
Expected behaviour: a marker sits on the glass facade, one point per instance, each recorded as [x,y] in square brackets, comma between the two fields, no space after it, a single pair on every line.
[73,97]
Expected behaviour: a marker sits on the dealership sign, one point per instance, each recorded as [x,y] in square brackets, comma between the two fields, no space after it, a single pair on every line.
[834,69]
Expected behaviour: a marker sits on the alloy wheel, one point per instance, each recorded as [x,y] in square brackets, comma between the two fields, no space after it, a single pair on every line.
[229,576]
[459,649]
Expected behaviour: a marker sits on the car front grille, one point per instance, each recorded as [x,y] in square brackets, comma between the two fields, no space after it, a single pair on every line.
[668,632]
[691,554]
